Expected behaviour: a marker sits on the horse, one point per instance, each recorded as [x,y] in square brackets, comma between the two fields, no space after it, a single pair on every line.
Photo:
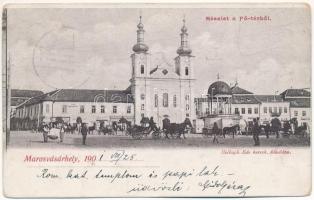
[232,129]
[91,128]
[275,126]
[174,128]
[70,129]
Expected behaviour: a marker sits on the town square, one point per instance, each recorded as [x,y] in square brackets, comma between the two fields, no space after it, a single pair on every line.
[160,105]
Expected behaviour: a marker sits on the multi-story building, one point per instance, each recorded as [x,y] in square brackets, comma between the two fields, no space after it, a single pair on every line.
[90,105]
[273,106]
[292,103]
[300,104]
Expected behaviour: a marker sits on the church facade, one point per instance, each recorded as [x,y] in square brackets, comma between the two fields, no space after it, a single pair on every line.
[162,90]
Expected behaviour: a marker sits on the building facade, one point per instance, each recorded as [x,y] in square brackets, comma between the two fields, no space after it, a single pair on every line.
[68,104]
[161,89]
[300,104]
[292,103]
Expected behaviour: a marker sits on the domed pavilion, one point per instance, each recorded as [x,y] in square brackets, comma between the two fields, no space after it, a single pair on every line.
[219,96]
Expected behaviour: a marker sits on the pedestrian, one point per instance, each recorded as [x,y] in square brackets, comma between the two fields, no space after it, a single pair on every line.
[45,132]
[215,133]
[84,133]
[62,131]
[256,130]
[152,124]
[267,130]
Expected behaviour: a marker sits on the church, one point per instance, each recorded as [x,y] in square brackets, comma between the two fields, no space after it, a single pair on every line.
[162,90]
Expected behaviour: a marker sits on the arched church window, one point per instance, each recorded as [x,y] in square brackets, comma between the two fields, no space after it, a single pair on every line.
[142,69]
[156,100]
[165,99]
[186,71]
[174,100]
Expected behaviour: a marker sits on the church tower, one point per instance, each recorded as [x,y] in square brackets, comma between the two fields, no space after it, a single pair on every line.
[140,72]
[183,60]
[184,69]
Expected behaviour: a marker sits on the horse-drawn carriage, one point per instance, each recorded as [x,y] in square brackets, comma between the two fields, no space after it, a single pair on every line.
[173,129]
[227,124]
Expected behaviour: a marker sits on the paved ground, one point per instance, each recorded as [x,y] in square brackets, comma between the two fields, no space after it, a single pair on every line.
[27,139]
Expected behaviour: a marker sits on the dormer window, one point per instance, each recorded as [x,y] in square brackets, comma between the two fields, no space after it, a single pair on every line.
[142,69]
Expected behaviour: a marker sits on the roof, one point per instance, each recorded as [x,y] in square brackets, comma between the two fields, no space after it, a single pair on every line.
[296,93]
[269,98]
[25,93]
[19,97]
[201,99]
[84,95]
[300,103]
[220,88]
[237,90]
[245,99]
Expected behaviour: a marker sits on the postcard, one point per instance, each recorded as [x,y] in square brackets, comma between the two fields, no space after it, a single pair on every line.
[156,100]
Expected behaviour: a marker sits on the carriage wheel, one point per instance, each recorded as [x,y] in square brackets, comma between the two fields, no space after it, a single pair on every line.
[175,135]
[156,135]
[137,135]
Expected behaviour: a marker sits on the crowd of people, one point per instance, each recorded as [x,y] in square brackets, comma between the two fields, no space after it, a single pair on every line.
[256,128]
[57,131]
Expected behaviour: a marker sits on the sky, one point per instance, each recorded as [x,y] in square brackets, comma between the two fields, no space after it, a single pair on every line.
[90,48]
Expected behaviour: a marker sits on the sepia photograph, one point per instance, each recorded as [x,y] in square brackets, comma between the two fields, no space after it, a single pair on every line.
[155,87]
[115,77]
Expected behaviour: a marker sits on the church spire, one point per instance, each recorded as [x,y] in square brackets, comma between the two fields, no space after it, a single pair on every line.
[140,47]
[184,48]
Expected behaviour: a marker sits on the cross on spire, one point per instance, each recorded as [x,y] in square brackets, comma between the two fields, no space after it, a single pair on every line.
[218,76]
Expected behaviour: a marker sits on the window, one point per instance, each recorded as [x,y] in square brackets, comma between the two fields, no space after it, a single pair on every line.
[265,109]
[82,109]
[142,115]
[102,109]
[174,100]
[280,109]
[303,113]
[270,110]
[275,109]
[165,99]
[142,107]
[142,96]
[255,110]
[187,107]
[93,109]
[47,108]
[64,109]
[128,110]
[295,113]
[243,110]
[142,69]
[186,71]
[207,110]
[114,109]
[187,98]
[156,100]
[236,110]
[249,111]
[285,110]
